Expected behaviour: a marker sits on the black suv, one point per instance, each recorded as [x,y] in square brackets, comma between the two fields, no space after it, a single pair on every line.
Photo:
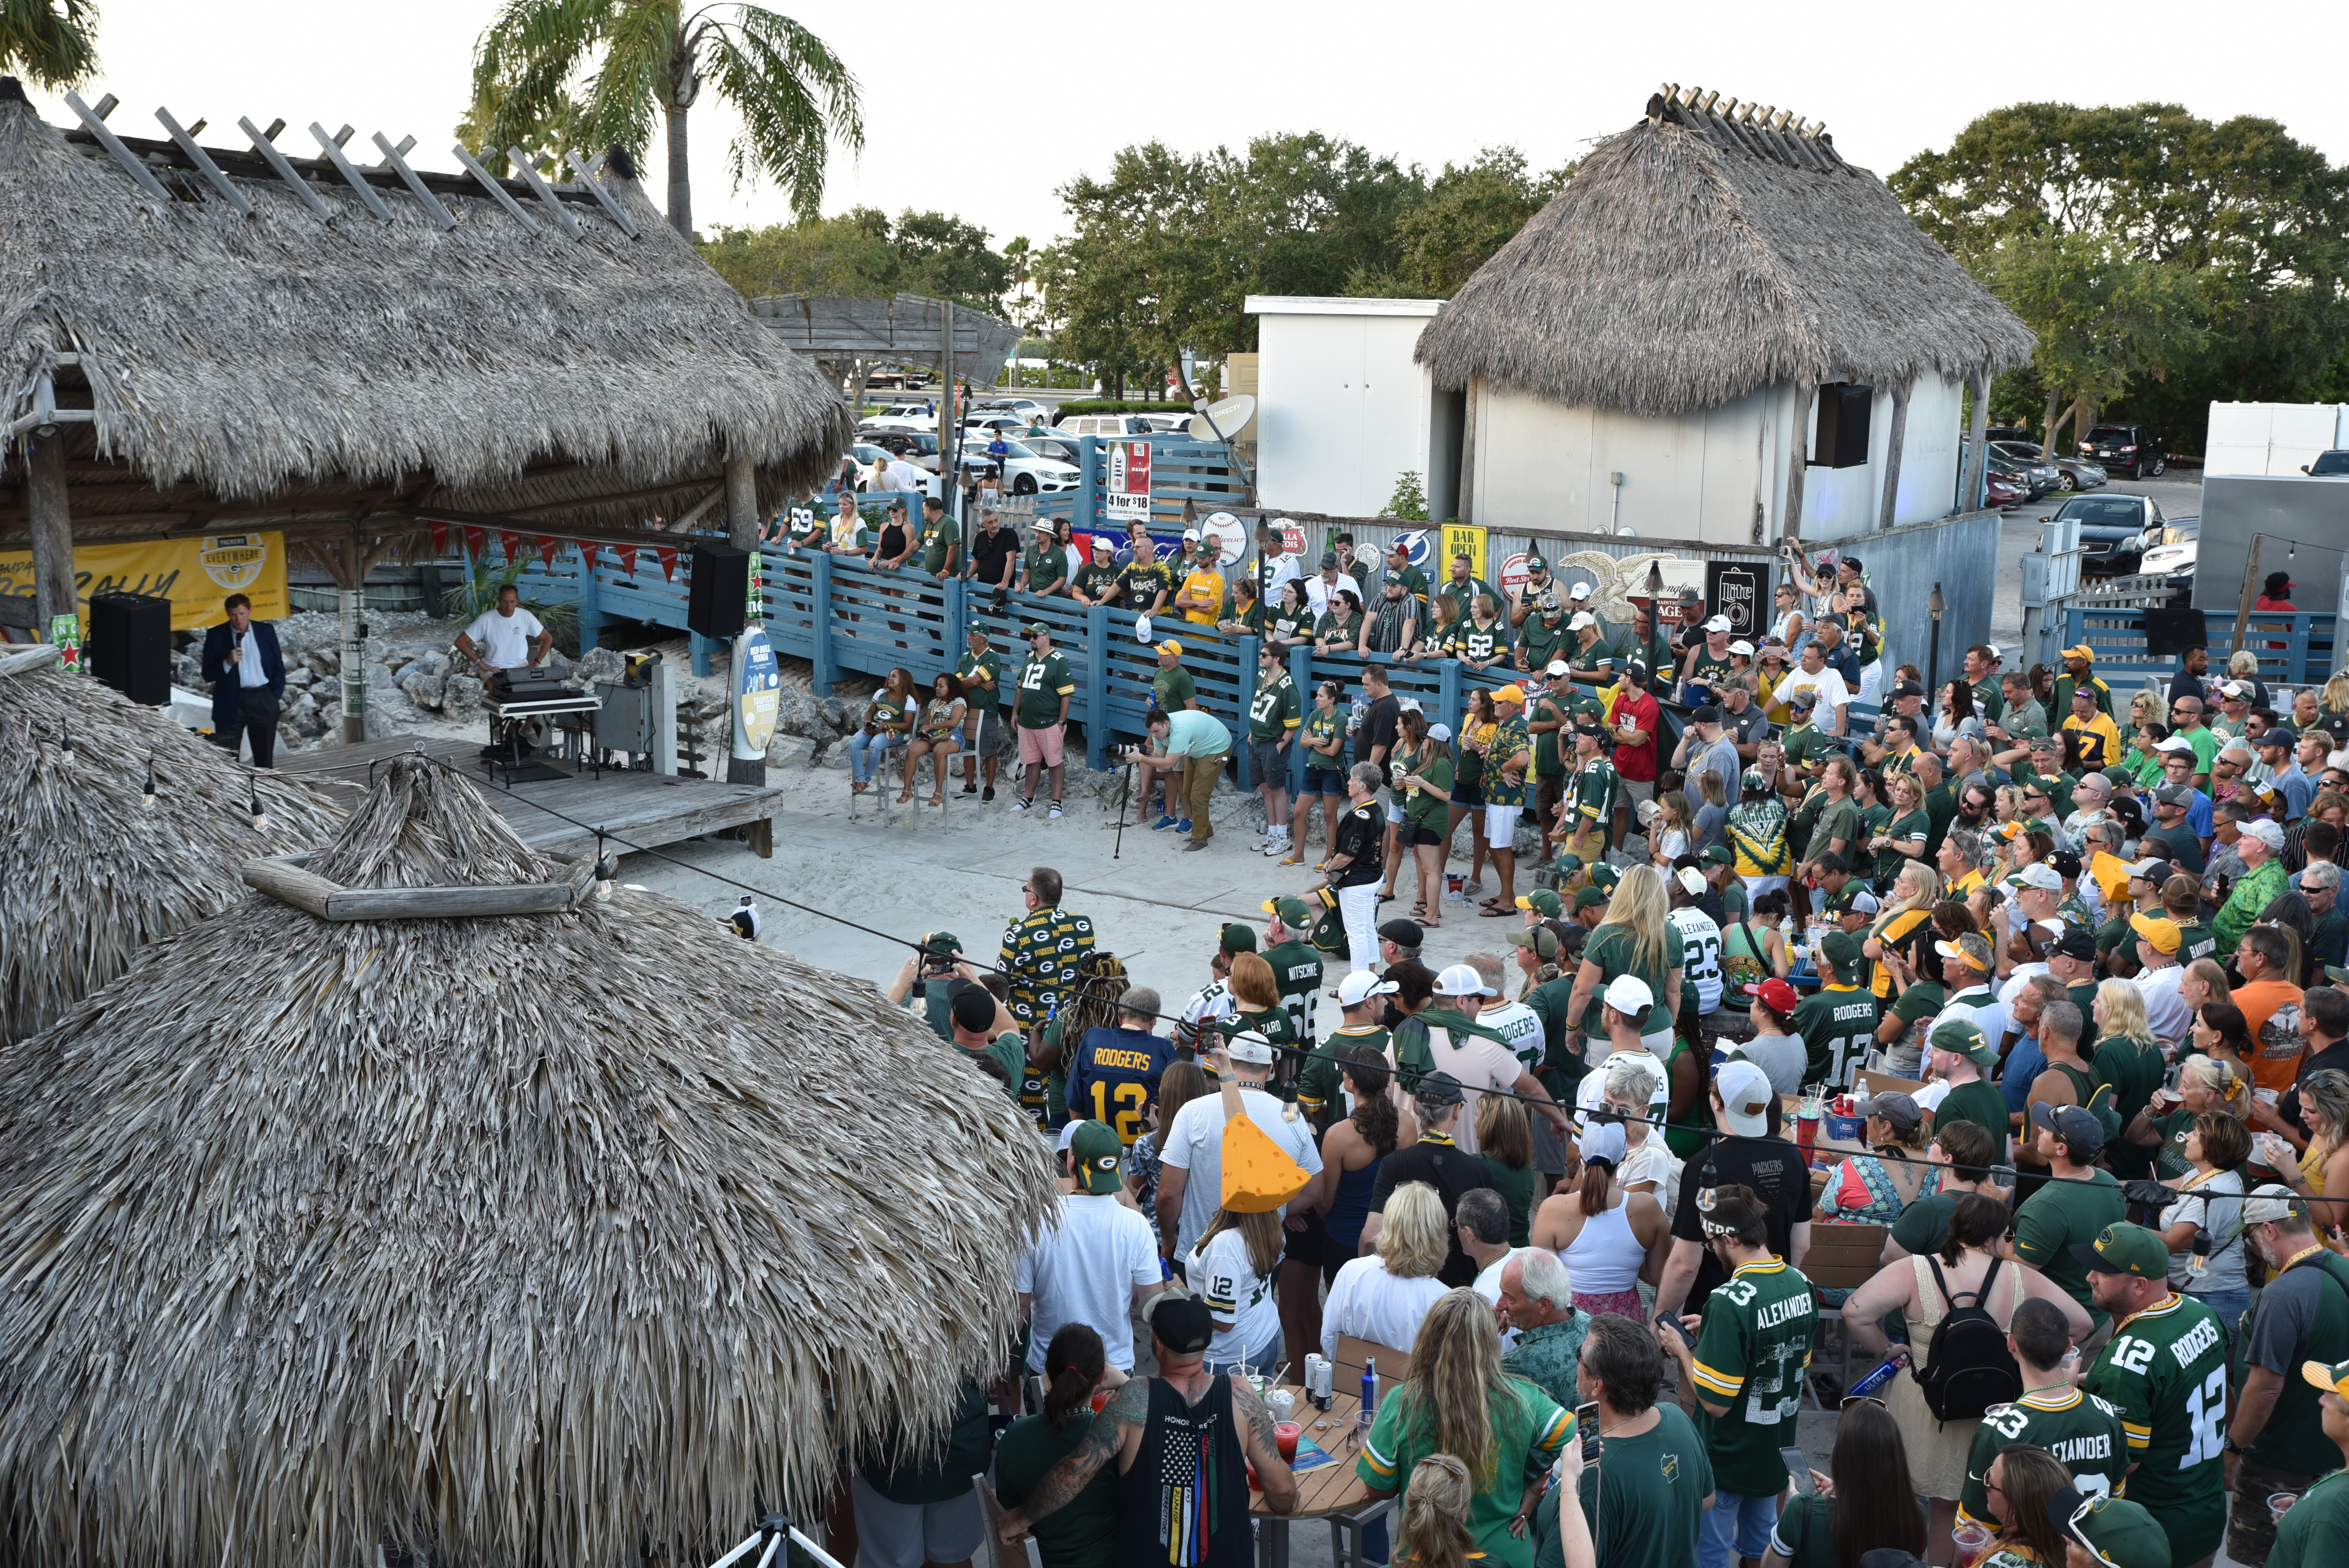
[2131,447]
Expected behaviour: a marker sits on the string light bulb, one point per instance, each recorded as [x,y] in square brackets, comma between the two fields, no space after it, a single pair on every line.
[148,792]
[65,742]
[607,867]
[259,817]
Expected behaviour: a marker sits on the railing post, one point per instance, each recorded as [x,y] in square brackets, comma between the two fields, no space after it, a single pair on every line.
[1096,685]
[820,603]
[957,604]
[1447,693]
[1088,479]
[1249,662]
[591,599]
[2296,651]
[1301,670]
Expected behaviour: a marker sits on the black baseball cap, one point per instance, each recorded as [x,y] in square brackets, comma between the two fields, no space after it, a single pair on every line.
[1180,1321]
[1906,688]
[1707,714]
[1438,1088]
[2075,944]
[1403,933]
[973,1007]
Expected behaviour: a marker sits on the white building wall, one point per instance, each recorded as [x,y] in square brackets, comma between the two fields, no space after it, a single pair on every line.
[1341,409]
[2272,438]
[1708,476]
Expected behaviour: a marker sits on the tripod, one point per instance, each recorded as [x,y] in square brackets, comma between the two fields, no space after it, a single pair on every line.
[773,1531]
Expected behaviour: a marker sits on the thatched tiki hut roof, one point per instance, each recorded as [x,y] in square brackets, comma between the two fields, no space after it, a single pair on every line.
[93,873]
[261,343]
[536,1239]
[1705,253]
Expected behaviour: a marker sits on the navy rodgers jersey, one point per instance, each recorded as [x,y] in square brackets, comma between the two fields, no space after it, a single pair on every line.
[1113,1077]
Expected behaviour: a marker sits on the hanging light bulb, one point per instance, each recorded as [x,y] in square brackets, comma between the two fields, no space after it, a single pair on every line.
[65,742]
[259,817]
[607,867]
[146,794]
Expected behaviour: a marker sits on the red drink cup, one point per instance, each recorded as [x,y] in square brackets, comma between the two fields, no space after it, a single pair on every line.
[1285,1436]
[1099,1400]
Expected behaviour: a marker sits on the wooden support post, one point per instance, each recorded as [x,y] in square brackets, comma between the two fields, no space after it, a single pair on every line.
[1465,502]
[1096,686]
[2243,605]
[1977,454]
[51,518]
[1251,653]
[949,421]
[1301,670]
[1892,445]
[742,532]
[1798,455]
[825,671]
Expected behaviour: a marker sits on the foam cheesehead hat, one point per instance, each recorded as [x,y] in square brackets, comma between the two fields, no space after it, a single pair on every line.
[1096,1157]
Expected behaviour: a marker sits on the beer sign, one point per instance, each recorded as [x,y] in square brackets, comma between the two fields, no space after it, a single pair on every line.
[1128,495]
[1737,589]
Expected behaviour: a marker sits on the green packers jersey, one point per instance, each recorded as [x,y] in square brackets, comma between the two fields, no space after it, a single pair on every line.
[982,678]
[1141,581]
[1541,641]
[1039,954]
[1484,644]
[1807,743]
[1595,788]
[1546,708]
[1296,970]
[1757,837]
[1273,1023]
[1095,578]
[2081,1430]
[1174,689]
[1042,684]
[938,537]
[1838,1024]
[1046,567]
[1321,1081]
[1585,660]
[1751,1356]
[1275,710]
[2165,1370]
[1706,670]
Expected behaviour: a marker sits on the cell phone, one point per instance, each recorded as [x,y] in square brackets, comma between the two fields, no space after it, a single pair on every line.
[1799,1467]
[1667,1320]
[1586,1423]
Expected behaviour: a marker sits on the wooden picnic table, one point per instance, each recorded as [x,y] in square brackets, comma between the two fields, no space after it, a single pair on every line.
[1332,1489]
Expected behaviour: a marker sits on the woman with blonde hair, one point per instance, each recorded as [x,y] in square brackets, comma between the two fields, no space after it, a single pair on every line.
[1898,936]
[1456,1401]
[2320,1174]
[1636,938]
[1441,638]
[1382,1298]
[2205,1084]
[1431,1529]
[2128,1060]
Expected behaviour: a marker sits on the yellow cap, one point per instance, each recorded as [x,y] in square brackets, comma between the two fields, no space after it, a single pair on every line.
[1512,692]
[1171,646]
[2162,934]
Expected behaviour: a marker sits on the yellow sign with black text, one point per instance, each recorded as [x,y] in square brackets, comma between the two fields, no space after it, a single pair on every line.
[194,574]
[1460,539]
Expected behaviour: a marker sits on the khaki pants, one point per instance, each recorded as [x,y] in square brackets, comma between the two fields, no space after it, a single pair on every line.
[1588,845]
[1199,776]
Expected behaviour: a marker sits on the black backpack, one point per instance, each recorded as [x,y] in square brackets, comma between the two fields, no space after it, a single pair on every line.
[1968,1368]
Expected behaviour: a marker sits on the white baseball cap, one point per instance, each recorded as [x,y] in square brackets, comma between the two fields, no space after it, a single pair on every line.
[1742,647]
[1581,591]
[1581,618]
[1626,993]
[1602,1141]
[2041,875]
[1461,980]
[1360,986]
[1745,1096]
[1690,878]
[1248,1046]
[2266,832]
[2175,743]
[1439,732]
[1718,623]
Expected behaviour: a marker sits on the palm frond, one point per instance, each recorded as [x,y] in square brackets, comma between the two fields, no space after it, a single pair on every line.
[50,45]
[794,96]
[528,59]
[632,83]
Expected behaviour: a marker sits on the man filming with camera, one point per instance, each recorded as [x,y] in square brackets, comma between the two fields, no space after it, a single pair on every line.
[1202,745]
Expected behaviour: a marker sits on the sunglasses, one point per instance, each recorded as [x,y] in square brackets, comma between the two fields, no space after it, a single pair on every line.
[1851,1400]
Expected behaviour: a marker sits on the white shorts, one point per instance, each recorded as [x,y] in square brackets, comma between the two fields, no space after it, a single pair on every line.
[1634,792]
[1501,825]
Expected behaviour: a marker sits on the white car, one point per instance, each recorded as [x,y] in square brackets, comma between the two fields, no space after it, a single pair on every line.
[903,417]
[1025,472]
[1026,410]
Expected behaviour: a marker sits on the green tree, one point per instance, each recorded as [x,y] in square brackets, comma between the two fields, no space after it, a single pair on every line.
[52,44]
[861,253]
[1469,213]
[643,57]
[558,122]
[2260,220]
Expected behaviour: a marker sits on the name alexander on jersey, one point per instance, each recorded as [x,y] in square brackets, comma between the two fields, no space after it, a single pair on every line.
[1779,1312]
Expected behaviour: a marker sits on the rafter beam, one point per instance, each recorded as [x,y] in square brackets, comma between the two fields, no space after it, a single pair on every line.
[204,164]
[285,170]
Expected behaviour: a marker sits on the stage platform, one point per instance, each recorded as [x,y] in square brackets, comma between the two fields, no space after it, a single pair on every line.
[647,809]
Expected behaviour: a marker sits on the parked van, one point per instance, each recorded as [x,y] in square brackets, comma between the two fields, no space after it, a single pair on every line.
[1104,425]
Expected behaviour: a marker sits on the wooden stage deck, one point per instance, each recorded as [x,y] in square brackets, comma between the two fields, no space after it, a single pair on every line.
[646,808]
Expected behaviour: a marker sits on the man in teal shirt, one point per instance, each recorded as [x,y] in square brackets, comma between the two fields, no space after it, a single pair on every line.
[1200,739]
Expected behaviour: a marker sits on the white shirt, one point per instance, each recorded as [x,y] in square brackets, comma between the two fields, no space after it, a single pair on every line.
[1829,683]
[503,641]
[1701,940]
[1653,1162]
[1521,1026]
[1084,1270]
[1367,1303]
[249,673]
[2022,975]
[1479,1064]
[1318,593]
[2165,1009]
[1211,1001]
[1226,1278]
[1284,569]
[1593,1088]
[1194,1143]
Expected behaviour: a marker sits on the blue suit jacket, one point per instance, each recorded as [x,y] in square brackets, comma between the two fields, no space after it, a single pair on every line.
[226,709]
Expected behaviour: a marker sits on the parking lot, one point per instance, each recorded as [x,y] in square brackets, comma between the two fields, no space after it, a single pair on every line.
[2178,494]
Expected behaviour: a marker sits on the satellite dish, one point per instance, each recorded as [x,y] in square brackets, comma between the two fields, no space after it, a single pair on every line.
[1227,416]
[1229,533]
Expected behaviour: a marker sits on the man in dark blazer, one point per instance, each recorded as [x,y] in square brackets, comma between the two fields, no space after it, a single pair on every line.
[248,676]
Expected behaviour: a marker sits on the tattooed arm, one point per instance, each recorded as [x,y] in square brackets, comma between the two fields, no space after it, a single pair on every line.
[1257,1441]
[1130,1406]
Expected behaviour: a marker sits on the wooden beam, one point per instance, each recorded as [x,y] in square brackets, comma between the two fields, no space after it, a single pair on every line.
[544,192]
[51,514]
[595,187]
[416,188]
[495,186]
[285,170]
[651,493]
[204,164]
[330,899]
[289,885]
[1977,452]
[333,147]
[130,161]
[1892,445]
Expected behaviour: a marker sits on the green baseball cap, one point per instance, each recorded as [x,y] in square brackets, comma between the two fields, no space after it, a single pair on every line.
[1536,563]
[1604,877]
[1239,938]
[1036,628]
[1542,902]
[1589,896]
[1568,864]
[2116,1532]
[940,944]
[1717,855]
[1841,951]
[2331,1377]
[1096,1157]
[2125,1249]
[1291,909]
[1959,1037]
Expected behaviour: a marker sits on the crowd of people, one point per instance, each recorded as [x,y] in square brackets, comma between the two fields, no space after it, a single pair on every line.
[2095,983]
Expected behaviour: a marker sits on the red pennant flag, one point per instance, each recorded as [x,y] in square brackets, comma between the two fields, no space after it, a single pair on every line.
[439,535]
[474,539]
[667,554]
[547,548]
[510,541]
[627,554]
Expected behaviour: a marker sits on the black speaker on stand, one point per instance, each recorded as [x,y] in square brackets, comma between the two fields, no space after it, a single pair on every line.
[2169,632]
[130,645]
[717,592]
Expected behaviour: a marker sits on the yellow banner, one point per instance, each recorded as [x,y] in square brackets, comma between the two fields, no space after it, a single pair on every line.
[194,574]
[1462,539]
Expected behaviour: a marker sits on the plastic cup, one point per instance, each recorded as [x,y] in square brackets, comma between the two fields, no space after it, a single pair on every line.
[1285,1435]
[1972,1540]
[1100,1401]
[1281,1403]
[2279,1502]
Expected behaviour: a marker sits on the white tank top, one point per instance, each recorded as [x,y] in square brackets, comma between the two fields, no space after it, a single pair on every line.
[1605,1256]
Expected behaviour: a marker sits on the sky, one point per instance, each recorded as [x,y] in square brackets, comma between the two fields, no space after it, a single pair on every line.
[1041,95]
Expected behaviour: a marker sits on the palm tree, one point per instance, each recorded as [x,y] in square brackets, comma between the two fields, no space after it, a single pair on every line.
[54,46]
[793,92]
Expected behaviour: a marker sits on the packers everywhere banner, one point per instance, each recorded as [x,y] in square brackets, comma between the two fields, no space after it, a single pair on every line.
[194,574]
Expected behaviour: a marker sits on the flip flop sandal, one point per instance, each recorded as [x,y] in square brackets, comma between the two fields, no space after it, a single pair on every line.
[1491,911]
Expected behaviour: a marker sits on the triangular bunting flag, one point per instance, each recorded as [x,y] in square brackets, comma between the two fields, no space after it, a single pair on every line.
[547,548]
[627,554]
[474,539]
[510,541]
[667,554]
[439,535]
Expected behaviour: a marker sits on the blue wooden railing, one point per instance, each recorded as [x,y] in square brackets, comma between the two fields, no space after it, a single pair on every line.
[2304,657]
